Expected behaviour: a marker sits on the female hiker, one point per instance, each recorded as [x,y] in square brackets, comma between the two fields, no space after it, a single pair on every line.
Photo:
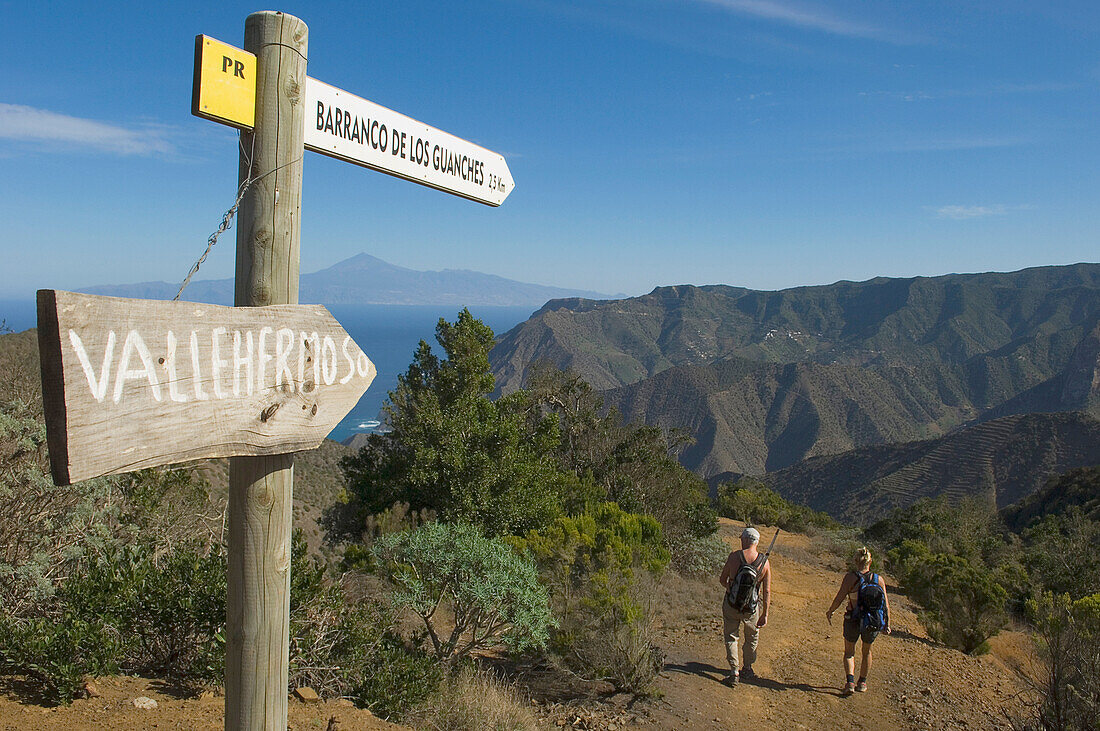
[867,614]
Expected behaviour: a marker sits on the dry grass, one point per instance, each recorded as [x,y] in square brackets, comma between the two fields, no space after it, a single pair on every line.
[473,700]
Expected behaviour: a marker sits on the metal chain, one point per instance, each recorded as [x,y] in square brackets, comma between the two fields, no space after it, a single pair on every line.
[227,219]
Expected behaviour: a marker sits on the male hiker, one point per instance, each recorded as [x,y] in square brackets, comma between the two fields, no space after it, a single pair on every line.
[747,578]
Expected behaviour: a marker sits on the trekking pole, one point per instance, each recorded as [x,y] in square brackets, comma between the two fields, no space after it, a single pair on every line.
[771,546]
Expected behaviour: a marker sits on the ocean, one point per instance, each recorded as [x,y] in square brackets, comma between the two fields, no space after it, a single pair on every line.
[388,334]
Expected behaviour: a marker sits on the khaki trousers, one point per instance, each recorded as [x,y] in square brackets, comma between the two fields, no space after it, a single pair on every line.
[732,621]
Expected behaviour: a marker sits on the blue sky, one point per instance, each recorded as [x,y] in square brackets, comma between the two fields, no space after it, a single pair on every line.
[763,143]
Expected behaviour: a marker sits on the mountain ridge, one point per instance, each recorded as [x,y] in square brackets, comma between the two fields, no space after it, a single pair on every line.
[366,279]
[763,380]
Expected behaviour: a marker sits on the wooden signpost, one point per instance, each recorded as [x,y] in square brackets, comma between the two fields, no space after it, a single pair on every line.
[130,383]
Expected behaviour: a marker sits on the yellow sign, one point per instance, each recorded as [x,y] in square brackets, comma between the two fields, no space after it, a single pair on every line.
[224,89]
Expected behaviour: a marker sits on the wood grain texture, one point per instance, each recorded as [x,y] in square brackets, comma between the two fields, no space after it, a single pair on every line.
[129,384]
[258,601]
[261,488]
[269,221]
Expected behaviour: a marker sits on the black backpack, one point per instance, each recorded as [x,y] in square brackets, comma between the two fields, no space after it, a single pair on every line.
[870,602]
[744,590]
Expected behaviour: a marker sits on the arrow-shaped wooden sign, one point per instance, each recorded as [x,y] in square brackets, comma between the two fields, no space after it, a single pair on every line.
[129,384]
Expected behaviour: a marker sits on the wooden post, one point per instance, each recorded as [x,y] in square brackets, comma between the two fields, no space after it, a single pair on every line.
[261,488]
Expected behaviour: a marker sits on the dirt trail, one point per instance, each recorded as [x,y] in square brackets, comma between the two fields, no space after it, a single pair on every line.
[914,683]
[114,710]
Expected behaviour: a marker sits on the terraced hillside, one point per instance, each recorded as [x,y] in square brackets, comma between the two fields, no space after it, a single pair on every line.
[762,380]
[1002,461]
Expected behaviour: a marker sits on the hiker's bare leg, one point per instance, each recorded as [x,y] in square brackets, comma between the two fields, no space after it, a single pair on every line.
[865,664]
[849,658]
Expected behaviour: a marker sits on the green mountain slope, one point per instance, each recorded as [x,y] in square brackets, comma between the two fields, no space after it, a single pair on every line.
[1002,461]
[765,379]
[980,319]
[1078,488]
[752,417]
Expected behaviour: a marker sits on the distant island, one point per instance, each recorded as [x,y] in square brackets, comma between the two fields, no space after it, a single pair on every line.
[367,280]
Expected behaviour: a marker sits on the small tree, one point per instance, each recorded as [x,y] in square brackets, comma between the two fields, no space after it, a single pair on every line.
[601,567]
[633,465]
[455,451]
[492,592]
[1069,637]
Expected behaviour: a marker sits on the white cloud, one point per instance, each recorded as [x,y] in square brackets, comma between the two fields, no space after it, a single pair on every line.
[964,213]
[19,122]
[803,17]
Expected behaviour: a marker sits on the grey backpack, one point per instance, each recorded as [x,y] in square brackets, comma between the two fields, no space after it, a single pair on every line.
[744,590]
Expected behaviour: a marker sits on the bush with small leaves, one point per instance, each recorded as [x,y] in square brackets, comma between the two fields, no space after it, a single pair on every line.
[963,603]
[492,592]
[58,652]
[600,567]
[750,501]
[1061,553]
[1069,637]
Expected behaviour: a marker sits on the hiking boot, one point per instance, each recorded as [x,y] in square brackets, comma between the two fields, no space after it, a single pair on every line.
[730,680]
[849,688]
[861,686]
[747,673]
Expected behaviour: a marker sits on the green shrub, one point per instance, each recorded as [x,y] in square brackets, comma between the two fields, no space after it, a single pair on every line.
[492,592]
[1069,638]
[46,530]
[969,528]
[135,611]
[698,557]
[58,652]
[169,614]
[963,603]
[352,650]
[750,501]
[600,567]
[1061,553]
[122,612]
[632,465]
[396,678]
[957,561]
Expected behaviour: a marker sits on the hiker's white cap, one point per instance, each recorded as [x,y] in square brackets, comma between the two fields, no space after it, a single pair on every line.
[752,534]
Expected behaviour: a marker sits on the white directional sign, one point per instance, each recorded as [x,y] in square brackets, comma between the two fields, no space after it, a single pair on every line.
[130,383]
[351,128]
